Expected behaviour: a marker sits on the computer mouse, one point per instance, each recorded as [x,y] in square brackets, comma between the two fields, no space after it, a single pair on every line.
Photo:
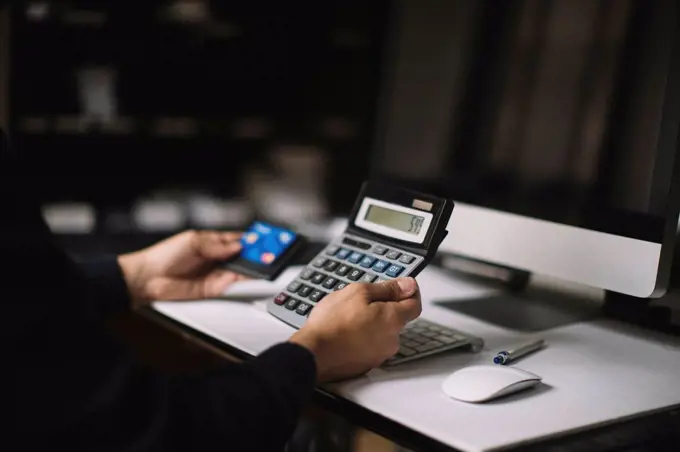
[483,383]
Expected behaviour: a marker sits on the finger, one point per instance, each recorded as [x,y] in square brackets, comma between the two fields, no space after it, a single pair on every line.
[394,290]
[217,245]
[217,282]
[406,310]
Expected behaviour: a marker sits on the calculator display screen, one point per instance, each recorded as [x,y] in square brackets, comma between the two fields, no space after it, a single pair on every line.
[401,221]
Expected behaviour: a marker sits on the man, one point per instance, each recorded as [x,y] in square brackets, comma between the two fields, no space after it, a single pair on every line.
[67,385]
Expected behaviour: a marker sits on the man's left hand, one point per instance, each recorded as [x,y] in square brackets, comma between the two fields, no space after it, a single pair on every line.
[183,267]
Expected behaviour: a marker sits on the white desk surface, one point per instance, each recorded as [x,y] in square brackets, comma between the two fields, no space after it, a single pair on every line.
[593,372]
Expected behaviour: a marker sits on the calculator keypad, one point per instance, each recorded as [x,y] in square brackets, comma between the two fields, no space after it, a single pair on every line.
[350,259]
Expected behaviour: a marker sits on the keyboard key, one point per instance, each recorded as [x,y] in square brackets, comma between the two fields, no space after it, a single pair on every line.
[306,274]
[330,283]
[304,309]
[281,298]
[393,254]
[394,270]
[367,261]
[379,249]
[341,286]
[330,266]
[368,278]
[355,274]
[406,259]
[380,266]
[317,295]
[292,304]
[343,270]
[319,262]
[318,278]
[331,250]
[304,291]
[406,351]
[294,286]
[356,243]
[446,339]
[355,257]
[343,253]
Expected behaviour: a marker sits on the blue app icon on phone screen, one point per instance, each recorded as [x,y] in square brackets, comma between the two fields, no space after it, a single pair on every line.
[264,243]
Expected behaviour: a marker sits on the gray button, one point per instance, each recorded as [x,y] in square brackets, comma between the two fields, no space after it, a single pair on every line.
[368,278]
[393,254]
[406,259]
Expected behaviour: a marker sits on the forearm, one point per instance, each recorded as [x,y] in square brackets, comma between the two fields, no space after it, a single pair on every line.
[105,285]
[253,406]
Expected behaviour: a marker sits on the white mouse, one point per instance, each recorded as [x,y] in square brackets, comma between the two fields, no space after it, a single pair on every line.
[487,382]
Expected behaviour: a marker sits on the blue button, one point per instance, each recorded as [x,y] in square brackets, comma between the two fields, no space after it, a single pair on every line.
[343,253]
[367,261]
[380,266]
[355,257]
[394,270]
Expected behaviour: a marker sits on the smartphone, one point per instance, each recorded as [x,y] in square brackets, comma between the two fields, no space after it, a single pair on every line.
[267,249]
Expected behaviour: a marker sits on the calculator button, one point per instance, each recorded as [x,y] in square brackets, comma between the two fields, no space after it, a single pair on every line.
[356,243]
[281,298]
[355,274]
[319,262]
[343,253]
[380,266]
[292,304]
[368,278]
[393,254]
[330,283]
[355,257]
[343,270]
[406,259]
[306,274]
[367,261]
[294,286]
[317,295]
[331,250]
[304,291]
[341,286]
[379,249]
[304,308]
[330,266]
[318,278]
[394,270]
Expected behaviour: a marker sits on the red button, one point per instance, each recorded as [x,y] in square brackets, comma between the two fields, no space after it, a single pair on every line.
[281,298]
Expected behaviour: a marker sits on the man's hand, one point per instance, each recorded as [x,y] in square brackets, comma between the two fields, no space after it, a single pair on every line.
[182,267]
[356,329]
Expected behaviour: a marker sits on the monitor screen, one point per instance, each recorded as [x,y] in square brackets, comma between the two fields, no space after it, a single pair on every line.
[560,111]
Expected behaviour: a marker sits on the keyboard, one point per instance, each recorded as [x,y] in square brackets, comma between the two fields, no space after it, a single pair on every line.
[355,259]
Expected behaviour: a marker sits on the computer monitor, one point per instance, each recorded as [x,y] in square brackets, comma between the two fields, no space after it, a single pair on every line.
[553,125]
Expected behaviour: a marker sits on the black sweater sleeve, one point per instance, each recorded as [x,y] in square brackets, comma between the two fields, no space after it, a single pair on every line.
[71,384]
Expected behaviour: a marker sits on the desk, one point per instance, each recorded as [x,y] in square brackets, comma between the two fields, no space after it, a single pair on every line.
[594,373]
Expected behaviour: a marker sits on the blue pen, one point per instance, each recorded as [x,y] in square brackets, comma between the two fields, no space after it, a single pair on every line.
[506,356]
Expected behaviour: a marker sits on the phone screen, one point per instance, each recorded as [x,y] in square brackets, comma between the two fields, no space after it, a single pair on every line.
[264,243]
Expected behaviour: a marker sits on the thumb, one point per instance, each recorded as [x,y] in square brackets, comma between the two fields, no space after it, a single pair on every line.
[217,246]
[394,290]
[215,283]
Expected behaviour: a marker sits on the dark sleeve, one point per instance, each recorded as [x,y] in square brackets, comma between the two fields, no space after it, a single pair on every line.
[42,285]
[250,406]
[104,284]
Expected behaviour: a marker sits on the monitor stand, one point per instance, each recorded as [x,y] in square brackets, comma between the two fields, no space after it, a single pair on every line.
[519,305]
[524,307]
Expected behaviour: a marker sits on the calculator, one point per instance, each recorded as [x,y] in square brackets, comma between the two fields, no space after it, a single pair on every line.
[392,232]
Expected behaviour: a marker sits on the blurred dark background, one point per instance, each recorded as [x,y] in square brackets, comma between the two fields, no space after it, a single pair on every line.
[145,118]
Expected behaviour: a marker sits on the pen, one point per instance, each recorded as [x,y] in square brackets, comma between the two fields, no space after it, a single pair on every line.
[506,356]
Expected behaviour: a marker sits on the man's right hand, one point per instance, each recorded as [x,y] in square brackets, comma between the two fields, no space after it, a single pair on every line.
[356,329]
